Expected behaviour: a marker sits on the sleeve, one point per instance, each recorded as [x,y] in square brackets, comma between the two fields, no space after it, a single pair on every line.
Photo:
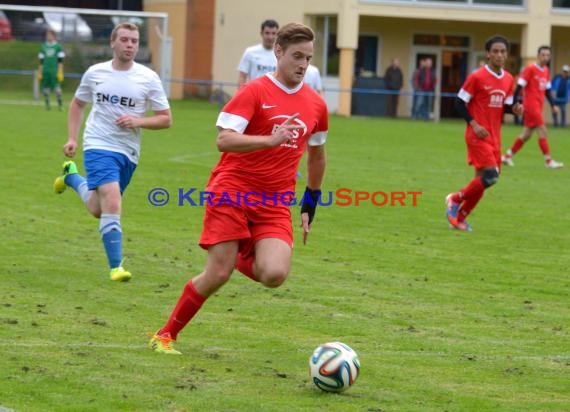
[244,64]
[468,89]
[237,113]
[84,92]
[320,134]
[156,95]
[524,77]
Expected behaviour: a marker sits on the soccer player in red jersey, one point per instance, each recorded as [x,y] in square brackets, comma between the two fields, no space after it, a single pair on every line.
[486,94]
[262,133]
[535,79]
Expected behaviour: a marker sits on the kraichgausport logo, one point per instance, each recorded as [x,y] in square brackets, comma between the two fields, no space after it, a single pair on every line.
[341,197]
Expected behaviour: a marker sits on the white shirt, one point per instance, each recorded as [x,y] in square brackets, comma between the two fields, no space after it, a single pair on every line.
[313,78]
[115,93]
[257,61]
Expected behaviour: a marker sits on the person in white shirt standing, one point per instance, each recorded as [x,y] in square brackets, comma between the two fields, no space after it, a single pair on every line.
[120,91]
[259,59]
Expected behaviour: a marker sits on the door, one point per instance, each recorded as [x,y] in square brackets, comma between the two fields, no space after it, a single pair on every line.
[454,70]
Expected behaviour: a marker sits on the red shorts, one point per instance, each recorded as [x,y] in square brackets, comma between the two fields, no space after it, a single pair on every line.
[247,220]
[482,153]
[532,119]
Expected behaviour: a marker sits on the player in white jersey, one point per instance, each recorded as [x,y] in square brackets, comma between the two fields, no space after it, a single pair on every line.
[313,79]
[120,91]
[259,59]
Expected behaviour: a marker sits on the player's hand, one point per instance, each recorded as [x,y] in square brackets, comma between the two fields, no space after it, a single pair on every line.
[479,130]
[518,109]
[59,76]
[285,131]
[69,148]
[308,210]
[555,109]
[306,226]
[128,122]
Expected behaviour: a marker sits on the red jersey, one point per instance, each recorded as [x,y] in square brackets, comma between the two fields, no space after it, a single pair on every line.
[535,80]
[258,109]
[485,93]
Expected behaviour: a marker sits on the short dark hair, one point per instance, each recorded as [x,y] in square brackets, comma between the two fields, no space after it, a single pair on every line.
[496,39]
[293,33]
[269,23]
[544,47]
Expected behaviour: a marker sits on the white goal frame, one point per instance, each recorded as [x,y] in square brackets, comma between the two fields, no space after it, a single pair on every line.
[165,52]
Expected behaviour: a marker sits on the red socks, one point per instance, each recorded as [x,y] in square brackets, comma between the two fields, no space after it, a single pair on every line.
[188,305]
[517,145]
[544,147]
[472,194]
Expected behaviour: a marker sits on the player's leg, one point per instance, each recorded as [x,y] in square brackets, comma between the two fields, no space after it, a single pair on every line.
[46,92]
[484,157]
[517,145]
[219,267]
[484,179]
[57,90]
[562,114]
[272,261]
[70,177]
[549,162]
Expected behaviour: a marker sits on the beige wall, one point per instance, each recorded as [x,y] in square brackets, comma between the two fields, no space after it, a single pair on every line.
[237,26]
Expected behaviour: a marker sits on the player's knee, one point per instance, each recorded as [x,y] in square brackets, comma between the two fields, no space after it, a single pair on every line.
[273,278]
[490,177]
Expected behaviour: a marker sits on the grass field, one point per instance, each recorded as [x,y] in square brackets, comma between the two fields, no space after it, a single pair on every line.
[442,320]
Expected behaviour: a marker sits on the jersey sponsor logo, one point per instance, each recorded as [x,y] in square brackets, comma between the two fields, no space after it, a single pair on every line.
[497,98]
[268,106]
[264,69]
[114,99]
[297,133]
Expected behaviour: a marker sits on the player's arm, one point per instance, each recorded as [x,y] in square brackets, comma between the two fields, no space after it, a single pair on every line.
[242,79]
[549,98]
[316,165]
[74,121]
[229,140]
[162,119]
[517,92]
[461,107]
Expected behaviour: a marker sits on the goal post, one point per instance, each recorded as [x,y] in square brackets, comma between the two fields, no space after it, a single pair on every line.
[85,35]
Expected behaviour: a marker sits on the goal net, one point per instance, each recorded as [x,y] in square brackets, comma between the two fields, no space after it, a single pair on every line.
[84,35]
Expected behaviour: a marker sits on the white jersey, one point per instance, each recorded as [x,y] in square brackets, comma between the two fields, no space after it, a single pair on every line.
[257,61]
[115,93]
[313,78]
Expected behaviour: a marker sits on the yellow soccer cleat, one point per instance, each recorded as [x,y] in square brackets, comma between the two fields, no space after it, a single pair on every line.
[119,274]
[162,344]
[69,168]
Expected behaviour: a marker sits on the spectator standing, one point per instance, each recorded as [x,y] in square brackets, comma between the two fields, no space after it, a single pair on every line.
[394,79]
[424,83]
[561,94]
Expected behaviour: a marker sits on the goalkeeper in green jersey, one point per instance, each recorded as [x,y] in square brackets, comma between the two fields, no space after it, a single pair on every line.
[50,72]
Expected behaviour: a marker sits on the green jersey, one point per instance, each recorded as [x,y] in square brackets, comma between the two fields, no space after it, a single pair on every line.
[50,53]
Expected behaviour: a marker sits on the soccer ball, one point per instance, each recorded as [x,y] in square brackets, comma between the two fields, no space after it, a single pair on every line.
[334,367]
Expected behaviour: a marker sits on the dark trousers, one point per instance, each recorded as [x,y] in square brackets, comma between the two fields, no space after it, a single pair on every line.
[392,104]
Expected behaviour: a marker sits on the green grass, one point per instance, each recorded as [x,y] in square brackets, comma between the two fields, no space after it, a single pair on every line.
[442,320]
